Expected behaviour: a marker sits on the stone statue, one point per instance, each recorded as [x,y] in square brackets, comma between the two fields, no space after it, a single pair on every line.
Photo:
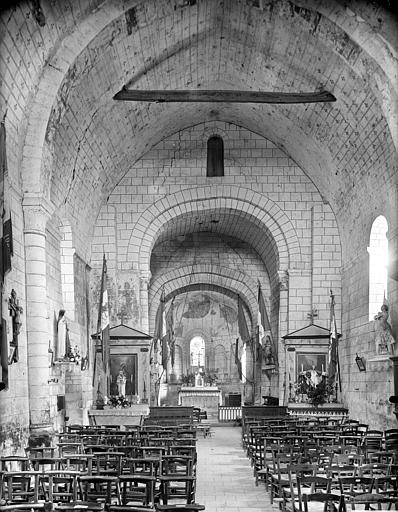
[62,335]
[15,312]
[121,383]
[384,339]
[267,351]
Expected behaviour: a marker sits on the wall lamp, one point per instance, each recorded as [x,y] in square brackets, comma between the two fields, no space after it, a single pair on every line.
[360,363]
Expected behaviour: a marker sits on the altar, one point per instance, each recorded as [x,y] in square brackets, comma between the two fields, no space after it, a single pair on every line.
[207,398]
[129,416]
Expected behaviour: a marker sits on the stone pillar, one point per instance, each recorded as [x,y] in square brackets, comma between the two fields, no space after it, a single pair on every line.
[145,277]
[283,276]
[36,212]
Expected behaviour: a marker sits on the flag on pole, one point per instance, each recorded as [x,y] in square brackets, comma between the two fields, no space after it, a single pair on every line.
[160,337]
[6,249]
[170,332]
[264,327]
[242,324]
[103,314]
[237,359]
[3,355]
[334,366]
[243,334]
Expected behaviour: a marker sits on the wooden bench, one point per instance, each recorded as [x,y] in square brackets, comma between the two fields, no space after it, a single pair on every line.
[169,416]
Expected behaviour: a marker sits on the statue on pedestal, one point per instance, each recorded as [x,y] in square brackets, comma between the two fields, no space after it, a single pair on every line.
[121,383]
[384,339]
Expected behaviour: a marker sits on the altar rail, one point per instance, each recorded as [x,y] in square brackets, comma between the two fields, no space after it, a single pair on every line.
[229,413]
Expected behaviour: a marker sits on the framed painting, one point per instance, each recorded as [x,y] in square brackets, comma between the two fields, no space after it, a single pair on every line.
[311,361]
[123,365]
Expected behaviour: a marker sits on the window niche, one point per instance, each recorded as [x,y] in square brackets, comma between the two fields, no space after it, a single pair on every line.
[378,260]
[215,157]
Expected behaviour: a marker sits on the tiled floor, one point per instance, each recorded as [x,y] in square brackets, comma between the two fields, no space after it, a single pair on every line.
[224,477]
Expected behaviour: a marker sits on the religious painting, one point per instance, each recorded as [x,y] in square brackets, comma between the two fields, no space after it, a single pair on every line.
[307,362]
[124,378]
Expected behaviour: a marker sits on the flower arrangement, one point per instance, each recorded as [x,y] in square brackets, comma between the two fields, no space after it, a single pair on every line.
[73,354]
[320,394]
[120,402]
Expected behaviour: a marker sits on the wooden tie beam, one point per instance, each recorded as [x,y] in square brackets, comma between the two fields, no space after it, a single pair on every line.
[227,96]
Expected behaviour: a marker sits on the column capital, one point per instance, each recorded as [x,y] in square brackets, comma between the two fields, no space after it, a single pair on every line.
[145,277]
[283,276]
[37,210]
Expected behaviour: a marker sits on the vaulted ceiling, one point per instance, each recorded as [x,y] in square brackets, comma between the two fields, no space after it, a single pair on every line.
[86,51]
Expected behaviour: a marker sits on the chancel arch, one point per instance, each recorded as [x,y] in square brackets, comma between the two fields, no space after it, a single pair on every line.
[250,209]
[204,277]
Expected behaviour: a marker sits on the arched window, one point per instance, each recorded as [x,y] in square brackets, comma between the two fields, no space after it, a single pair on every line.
[215,156]
[197,351]
[378,260]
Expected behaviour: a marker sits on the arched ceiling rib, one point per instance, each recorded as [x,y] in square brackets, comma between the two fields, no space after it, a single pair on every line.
[241,226]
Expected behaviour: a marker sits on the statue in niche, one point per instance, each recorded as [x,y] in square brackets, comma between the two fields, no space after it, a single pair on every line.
[62,335]
[384,339]
[121,383]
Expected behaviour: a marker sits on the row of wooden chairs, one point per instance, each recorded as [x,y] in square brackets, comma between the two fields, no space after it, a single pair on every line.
[283,451]
[138,489]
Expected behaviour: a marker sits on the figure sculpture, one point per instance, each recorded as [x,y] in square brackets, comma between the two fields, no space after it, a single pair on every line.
[384,339]
[121,383]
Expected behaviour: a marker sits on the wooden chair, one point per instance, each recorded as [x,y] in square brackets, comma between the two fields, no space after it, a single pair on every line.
[355,485]
[102,488]
[387,485]
[59,486]
[295,471]
[320,502]
[373,470]
[177,487]
[391,439]
[177,465]
[311,485]
[20,487]
[137,490]
[371,501]
[141,466]
[14,463]
[279,475]
[107,463]
[81,462]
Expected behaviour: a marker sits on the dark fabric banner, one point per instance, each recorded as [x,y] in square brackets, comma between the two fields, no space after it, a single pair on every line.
[4,355]
[237,360]
[264,327]
[242,325]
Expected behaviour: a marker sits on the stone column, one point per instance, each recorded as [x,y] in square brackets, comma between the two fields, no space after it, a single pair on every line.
[36,212]
[283,276]
[145,277]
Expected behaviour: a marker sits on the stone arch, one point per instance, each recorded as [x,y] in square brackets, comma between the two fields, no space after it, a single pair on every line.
[225,280]
[73,43]
[260,210]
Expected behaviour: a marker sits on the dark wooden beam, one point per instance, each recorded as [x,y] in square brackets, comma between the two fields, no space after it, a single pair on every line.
[223,96]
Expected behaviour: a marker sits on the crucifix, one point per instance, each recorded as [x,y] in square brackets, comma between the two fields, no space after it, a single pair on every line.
[15,312]
[313,314]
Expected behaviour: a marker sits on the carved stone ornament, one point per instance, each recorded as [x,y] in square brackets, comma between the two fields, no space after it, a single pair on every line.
[283,279]
[379,363]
